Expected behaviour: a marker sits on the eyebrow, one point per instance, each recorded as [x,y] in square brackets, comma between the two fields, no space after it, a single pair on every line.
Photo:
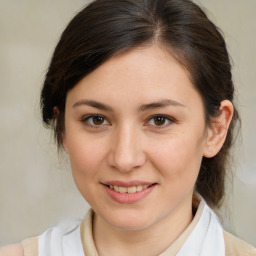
[142,108]
[160,104]
[94,104]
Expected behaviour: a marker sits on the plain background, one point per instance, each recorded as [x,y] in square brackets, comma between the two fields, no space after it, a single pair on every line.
[36,188]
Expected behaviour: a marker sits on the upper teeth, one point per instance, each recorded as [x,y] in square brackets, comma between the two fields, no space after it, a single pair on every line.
[130,190]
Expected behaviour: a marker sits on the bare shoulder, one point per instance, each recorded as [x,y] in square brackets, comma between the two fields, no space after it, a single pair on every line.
[237,247]
[12,250]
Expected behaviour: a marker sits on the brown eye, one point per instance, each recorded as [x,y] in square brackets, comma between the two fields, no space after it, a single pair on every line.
[159,120]
[98,120]
[95,121]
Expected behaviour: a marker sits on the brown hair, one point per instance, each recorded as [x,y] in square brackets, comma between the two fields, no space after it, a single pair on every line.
[107,27]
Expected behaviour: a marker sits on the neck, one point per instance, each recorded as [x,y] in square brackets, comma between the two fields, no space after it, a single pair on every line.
[152,240]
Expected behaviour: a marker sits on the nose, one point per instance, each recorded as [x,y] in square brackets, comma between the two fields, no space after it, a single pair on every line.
[126,152]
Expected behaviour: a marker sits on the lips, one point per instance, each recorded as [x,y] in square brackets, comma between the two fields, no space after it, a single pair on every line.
[128,192]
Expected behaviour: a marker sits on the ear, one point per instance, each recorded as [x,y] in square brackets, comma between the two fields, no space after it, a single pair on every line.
[217,130]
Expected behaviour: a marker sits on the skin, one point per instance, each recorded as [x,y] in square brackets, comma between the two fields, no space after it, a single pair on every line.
[12,250]
[129,143]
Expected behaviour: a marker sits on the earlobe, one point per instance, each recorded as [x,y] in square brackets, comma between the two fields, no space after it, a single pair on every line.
[218,129]
[56,112]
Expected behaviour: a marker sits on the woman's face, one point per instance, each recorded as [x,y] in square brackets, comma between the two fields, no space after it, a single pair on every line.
[135,133]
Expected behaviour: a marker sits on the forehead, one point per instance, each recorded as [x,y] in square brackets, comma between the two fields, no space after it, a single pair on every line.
[137,75]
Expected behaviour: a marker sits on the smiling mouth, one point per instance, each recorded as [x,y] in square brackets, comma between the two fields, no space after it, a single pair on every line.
[129,190]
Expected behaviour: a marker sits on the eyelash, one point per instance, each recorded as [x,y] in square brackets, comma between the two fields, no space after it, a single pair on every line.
[166,118]
[170,120]
[85,121]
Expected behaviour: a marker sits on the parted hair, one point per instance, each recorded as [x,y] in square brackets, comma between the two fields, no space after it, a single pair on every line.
[106,28]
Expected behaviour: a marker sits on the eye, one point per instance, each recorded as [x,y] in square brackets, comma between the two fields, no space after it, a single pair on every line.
[95,121]
[160,121]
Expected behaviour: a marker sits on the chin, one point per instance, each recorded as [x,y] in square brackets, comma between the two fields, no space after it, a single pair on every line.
[129,221]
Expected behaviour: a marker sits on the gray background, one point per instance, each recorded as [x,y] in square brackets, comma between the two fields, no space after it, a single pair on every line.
[36,186]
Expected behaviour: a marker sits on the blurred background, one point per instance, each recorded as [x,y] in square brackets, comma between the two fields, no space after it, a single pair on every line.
[36,186]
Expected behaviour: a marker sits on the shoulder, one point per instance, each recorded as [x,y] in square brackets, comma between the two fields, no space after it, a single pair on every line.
[12,250]
[28,247]
[237,247]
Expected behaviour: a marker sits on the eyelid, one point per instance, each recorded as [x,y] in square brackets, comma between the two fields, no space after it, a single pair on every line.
[168,118]
[85,118]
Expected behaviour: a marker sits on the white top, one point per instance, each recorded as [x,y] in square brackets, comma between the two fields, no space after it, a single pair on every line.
[205,239]
[62,240]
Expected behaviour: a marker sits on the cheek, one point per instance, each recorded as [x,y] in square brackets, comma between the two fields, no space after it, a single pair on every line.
[178,159]
[85,157]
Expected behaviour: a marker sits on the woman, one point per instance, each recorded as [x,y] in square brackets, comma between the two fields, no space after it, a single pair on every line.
[140,96]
